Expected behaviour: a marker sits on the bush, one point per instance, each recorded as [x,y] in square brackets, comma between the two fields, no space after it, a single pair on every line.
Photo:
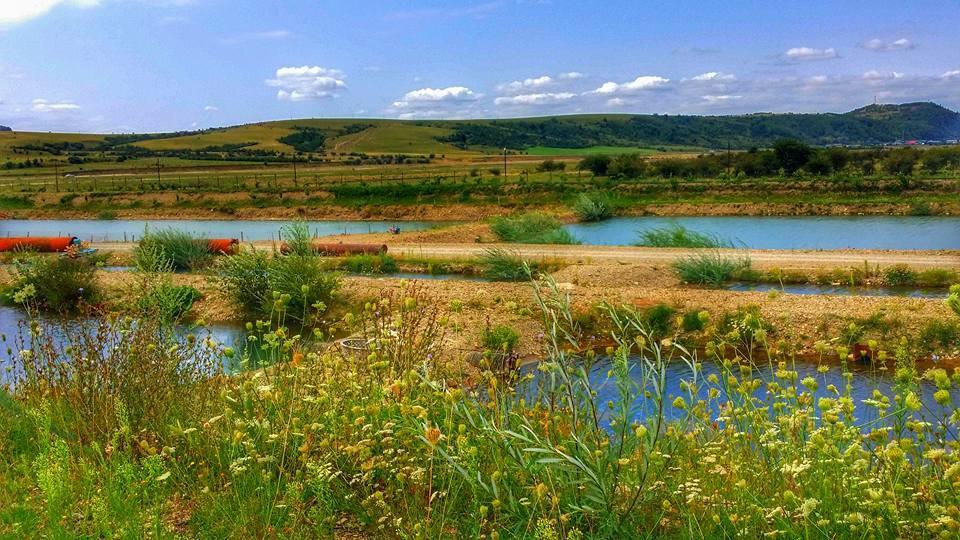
[709,267]
[54,283]
[500,338]
[170,249]
[678,236]
[592,207]
[695,320]
[899,275]
[936,277]
[292,285]
[659,320]
[370,264]
[534,228]
[503,265]
[168,302]
[549,165]
[597,164]
[940,335]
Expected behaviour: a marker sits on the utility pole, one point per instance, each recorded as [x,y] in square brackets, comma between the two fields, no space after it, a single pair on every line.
[158,170]
[294,170]
[504,161]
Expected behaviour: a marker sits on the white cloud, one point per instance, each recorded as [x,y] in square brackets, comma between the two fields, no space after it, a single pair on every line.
[434,95]
[714,76]
[44,106]
[306,83]
[874,75]
[449,102]
[803,54]
[880,45]
[526,84]
[952,74]
[18,11]
[535,99]
[713,99]
[616,102]
[570,75]
[643,82]
[211,108]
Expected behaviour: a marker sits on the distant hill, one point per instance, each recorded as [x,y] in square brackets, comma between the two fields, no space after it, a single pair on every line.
[874,124]
[871,125]
[5,128]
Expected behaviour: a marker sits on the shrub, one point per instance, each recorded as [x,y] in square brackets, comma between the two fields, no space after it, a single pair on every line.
[695,320]
[549,165]
[170,249]
[678,236]
[899,275]
[659,320]
[597,164]
[592,208]
[936,277]
[534,228]
[504,265]
[293,286]
[53,283]
[920,208]
[500,338]
[370,264]
[940,335]
[168,302]
[709,267]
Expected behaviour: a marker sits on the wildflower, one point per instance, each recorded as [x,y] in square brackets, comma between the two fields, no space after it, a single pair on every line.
[540,490]
[808,506]
[432,435]
[680,403]
[912,402]
[942,397]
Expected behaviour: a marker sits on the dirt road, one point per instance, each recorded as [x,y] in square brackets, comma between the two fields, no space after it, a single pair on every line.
[651,256]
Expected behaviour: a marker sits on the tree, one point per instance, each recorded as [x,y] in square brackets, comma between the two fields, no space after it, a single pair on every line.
[901,162]
[597,164]
[627,166]
[792,155]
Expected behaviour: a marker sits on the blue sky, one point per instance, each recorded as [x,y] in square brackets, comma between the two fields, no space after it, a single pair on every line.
[158,65]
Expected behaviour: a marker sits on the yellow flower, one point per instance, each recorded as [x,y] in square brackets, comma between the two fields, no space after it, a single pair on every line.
[432,435]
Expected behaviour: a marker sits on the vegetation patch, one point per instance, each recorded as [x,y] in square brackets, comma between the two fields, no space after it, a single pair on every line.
[678,236]
[592,207]
[171,250]
[709,267]
[533,228]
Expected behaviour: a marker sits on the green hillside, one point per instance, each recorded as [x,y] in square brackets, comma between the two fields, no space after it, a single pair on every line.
[559,135]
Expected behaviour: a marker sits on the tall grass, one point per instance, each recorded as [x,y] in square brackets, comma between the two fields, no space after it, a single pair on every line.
[53,283]
[533,228]
[170,249]
[501,264]
[592,207]
[678,236]
[709,267]
[298,238]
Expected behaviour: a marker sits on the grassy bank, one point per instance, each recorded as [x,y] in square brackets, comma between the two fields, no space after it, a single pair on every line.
[396,440]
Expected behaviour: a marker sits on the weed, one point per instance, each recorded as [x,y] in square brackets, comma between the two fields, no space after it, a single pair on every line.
[899,275]
[678,236]
[504,265]
[500,338]
[52,283]
[170,249]
[370,264]
[709,267]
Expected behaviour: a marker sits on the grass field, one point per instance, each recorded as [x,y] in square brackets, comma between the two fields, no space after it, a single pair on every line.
[588,151]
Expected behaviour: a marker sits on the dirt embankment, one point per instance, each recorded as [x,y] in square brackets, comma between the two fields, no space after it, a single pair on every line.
[164,206]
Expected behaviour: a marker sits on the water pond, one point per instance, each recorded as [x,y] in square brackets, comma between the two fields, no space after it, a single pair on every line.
[837,290]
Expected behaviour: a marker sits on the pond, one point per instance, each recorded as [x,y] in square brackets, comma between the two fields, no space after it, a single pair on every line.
[837,290]
[865,380]
[806,232]
[129,230]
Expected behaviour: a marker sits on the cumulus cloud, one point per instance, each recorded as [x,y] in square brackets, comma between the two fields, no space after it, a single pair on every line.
[641,83]
[211,108]
[874,75]
[526,84]
[547,98]
[880,45]
[807,54]
[952,74]
[43,106]
[306,83]
[449,102]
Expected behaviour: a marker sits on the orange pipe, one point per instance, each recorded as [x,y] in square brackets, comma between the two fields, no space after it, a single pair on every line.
[337,249]
[54,244]
[222,246]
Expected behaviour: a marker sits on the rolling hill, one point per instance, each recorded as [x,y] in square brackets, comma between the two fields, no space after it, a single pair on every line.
[870,125]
